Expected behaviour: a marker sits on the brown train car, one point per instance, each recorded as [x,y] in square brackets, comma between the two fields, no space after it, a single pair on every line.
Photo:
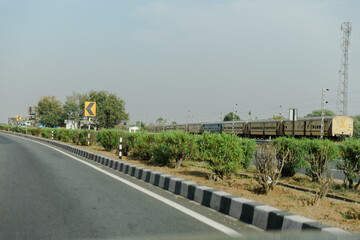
[194,128]
[169,127]
[273,128]
[236,127]
[299,127]
[334,127]
[181,127]
[256,128]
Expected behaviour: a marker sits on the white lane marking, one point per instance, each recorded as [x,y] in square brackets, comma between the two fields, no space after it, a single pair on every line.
[220,227]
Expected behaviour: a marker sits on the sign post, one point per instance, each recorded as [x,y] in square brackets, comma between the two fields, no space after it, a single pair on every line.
[90,111]
[18,119]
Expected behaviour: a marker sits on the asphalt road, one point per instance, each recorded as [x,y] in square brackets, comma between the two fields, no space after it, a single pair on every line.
[45,194]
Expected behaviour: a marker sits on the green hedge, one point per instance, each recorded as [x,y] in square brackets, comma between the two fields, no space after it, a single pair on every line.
[173,147]
[225,153]
[295,151]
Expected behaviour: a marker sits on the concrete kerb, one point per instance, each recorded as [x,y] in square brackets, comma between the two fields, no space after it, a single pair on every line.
[257,214]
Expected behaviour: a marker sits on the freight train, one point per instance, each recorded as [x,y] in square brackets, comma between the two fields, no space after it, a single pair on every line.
[334,127]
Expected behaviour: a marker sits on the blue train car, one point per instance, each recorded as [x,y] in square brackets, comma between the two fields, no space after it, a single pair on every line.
[212,127]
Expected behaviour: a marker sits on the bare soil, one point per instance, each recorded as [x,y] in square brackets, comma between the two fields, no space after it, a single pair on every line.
[331,212]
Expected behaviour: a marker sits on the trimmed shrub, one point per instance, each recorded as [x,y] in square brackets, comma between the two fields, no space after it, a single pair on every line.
[295,154]
[173,146]
[142,145]
[223,153]
[318,153]
[350,162]
[109,139]
[248,146]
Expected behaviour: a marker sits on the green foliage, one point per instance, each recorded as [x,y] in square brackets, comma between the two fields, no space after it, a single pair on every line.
[173,146]
[294,152]
[350,162]
[317,113]
[248,146]
[318,153]
[231,116]
[223,152]
[49,112]
[356,126]
[109,139]
[142,145]
[110,109]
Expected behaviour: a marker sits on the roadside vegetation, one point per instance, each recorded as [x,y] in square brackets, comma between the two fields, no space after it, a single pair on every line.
[226,161]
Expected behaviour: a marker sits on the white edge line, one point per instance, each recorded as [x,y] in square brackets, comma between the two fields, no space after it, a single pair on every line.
[220,227]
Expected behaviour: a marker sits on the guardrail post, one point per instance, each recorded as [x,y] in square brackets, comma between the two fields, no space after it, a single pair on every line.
[120,148]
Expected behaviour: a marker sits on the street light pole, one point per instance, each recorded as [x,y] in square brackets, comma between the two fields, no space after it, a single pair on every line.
[233,115]
[322,111]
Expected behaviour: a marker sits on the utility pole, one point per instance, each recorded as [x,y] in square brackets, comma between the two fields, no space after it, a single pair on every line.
[342,95]
[233,115]
[322,111]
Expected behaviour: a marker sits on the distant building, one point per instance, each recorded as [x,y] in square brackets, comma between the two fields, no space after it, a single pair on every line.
[133,129]
[71,124]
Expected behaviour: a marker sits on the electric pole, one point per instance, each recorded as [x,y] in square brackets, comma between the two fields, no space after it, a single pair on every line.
[322,111]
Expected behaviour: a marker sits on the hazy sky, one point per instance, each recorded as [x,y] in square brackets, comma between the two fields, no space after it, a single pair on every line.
[176,58]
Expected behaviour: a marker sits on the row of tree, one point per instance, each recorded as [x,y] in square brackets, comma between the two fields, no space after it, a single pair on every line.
[110,109]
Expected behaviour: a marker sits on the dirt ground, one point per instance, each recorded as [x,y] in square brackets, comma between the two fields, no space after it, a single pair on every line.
[331,212]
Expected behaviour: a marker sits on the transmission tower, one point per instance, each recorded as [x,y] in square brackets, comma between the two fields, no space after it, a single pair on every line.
[342,95]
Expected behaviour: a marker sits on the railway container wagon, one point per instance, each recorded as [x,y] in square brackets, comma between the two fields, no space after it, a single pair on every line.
[236,127]
[195,128]
[212,127]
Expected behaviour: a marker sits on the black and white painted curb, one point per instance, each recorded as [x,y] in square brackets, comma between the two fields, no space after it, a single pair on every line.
[257,214]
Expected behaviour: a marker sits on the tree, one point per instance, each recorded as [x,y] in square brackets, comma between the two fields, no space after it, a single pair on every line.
[110,109]
[231,116]
[350,162]
[141,125]
[160,121]
[356,126]
[317,113]
[49,112]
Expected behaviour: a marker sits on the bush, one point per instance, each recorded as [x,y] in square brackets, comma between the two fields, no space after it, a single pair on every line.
[142,145]
[173,146]
[46,133]
[223,152]
[318,153]
[248,146]
[109,139]
[350,162]
[295,154]
[269,164]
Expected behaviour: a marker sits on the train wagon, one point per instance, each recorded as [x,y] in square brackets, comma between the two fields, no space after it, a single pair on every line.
[195,128]
[255,128]
[334,127]
[181,127]
[236,127]
[212,127]
[273,128]
[298,127]
[169,127]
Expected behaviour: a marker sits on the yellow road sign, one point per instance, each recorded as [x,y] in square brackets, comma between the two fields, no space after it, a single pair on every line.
[90,109]
[18,118]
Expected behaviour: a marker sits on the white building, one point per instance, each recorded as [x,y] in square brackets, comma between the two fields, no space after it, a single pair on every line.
[71,124]
[133,129]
